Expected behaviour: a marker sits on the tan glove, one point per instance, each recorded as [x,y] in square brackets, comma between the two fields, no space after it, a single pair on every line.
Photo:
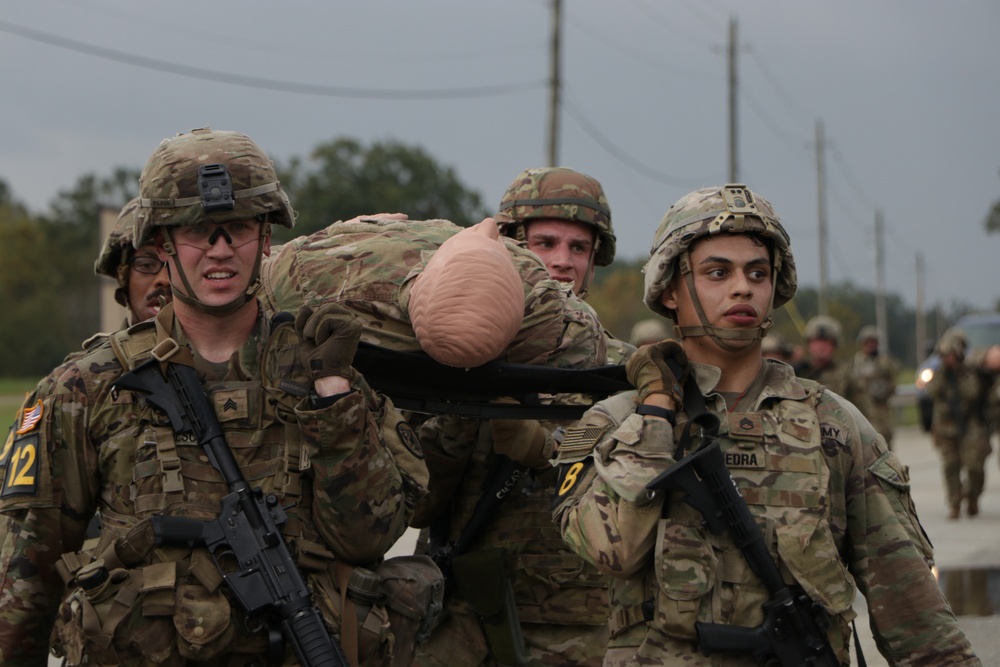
[649,373]
[328,338]
[523,441]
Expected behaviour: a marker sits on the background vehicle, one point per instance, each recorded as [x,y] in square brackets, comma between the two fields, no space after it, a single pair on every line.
[981,330]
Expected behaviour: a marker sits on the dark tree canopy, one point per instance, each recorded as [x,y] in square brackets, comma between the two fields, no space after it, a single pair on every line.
[343,179]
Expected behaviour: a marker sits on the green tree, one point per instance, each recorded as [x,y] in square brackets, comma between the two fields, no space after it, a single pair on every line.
[343,179]
[47,272]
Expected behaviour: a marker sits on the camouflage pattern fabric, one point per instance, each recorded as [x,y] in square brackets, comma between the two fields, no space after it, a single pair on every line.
[959,400]
[343,471]
[839,379]
[369,266]
[561,599]
[876,376]
[832,501]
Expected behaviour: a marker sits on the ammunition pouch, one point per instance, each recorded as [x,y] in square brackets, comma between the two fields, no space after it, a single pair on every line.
[482,579]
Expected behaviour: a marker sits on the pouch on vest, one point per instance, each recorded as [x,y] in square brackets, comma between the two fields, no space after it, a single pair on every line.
[414,597]
[482,579]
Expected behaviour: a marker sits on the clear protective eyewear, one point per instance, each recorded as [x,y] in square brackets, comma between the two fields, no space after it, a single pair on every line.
[203,236]
[146,264]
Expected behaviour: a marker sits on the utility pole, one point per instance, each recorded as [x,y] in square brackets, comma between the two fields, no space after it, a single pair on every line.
[821,217]
[921,317]
[881,314]
[555,84]
[734,170]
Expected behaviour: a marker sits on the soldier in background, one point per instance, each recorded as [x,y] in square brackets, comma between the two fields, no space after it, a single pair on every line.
[823,334]
[550,606]
[774,346]
[143,287]
[876,373]
[833,502]
[301,423]
[650,330]
[959,394]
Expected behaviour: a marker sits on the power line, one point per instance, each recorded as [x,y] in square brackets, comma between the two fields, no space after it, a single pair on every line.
[622,156]
[268,84]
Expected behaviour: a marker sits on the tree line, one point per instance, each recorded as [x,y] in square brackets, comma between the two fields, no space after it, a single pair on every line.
[50,295]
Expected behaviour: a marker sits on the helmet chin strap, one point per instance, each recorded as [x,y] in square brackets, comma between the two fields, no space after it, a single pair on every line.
[718,334]
[191,299]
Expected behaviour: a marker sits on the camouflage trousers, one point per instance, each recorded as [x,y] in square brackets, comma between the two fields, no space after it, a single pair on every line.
[963,455]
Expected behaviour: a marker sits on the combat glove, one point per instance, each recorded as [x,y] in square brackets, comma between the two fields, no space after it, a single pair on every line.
[524,441]
[649,372]
[328,339]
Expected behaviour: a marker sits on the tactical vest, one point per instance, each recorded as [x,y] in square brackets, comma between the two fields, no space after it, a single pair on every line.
[130,601]
[778,464]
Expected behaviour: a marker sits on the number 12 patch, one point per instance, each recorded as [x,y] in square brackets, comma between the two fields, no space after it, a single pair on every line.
[21,478]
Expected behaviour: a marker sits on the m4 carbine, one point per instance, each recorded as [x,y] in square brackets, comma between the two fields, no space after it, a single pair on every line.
[792,633]
[260,571]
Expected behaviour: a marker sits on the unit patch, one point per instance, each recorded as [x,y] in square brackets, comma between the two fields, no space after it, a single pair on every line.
[570,474]
[410,439]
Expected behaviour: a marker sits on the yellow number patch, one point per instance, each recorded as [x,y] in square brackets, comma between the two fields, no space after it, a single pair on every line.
[22,468]
[569,475]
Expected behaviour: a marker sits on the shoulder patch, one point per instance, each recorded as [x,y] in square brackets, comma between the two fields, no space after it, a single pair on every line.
[30,418]
[21,478]
[580,439]
[570,475]
[410,439]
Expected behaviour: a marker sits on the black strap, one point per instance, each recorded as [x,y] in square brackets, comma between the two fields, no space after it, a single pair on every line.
[415,381]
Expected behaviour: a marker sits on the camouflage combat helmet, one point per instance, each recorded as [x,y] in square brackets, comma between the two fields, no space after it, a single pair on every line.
[823,327]
[208,176]
[116,251]
[775,343]
[733,209]
[558,193]
[953,342]
[867,333]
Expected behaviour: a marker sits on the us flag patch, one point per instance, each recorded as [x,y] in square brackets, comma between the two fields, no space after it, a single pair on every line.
[581,438]
[30,418]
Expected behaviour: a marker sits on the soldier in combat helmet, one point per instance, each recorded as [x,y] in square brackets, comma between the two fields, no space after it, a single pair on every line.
[559,611]
[832,502]
[876,372]
[823,334]
[301,423]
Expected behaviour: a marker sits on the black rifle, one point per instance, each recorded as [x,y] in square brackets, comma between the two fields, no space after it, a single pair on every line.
[267,583]
[500,485]
[792,633]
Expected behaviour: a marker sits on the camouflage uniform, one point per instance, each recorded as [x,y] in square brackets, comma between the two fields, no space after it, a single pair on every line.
[346,468]
[959,399]
[560,600]
[832,502]
[877,378]
[824,488]
[559,329]
[368,266]
[836,377]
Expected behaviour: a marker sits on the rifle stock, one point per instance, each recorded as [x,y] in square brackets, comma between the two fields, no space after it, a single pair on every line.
[244,539]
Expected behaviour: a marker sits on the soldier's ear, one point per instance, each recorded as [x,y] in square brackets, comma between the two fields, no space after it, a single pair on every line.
[669,297]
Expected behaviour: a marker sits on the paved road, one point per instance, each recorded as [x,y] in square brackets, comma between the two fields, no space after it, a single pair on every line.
[966,551]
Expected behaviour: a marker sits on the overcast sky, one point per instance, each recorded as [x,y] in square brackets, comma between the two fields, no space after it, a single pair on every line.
[907,92]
